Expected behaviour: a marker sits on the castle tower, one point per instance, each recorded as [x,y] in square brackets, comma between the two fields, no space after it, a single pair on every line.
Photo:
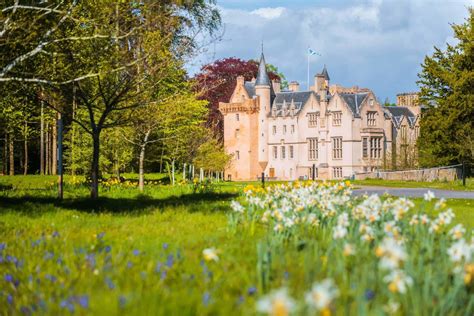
[263,91]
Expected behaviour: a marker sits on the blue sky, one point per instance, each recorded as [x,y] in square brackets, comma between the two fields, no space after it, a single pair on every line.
[377,44]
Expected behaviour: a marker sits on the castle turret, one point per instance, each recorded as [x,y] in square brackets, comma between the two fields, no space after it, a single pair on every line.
[263,91]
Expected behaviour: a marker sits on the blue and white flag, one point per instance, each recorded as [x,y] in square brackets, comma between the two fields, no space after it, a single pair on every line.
[312,52]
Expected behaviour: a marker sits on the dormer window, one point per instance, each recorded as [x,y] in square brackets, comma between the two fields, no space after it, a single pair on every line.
[274,129]
[336,118]
[313,119]
[371,118]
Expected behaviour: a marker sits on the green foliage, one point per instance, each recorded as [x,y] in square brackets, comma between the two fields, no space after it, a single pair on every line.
[211,155]
[142,254]
[447,92]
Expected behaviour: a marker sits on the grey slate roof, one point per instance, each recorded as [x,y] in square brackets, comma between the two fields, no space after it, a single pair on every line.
[250,88]
[299,99]
[325,73]
[398,112]
[354,100]
[262,76]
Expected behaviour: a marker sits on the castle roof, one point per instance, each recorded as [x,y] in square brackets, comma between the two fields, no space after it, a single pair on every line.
[299,99]
[325,73]
[397,113]
[250,88]
[262,76]
[354,100]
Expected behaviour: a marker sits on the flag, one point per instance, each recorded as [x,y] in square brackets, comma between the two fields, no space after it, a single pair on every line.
[312,52]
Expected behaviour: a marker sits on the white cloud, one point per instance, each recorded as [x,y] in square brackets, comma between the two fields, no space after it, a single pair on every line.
[378,44]
[269,13]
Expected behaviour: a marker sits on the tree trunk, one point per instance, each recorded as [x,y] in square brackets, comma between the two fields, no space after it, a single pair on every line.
[47,159]
[141,162]
[11,150]
[141,180]
[42,141]
[172,167]
[54,147]
[5,154]
[73,133]
[95,165]
[25,158]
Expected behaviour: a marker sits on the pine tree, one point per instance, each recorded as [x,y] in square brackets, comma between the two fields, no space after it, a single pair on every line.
[447,95]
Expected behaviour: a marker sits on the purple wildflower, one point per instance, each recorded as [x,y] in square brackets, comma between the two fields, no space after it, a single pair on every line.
[109,283]
[165,245]
[252,290]
[55,234]
[136,252]
[3,246]
[83,301]
[170,261]
[8,277]
[122,301]
[101,235]
[206,298]
[107,249]
[369,295]
[10,299]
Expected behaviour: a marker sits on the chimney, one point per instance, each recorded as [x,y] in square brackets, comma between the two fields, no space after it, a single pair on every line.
[276,85]
[240,80]
[294,86]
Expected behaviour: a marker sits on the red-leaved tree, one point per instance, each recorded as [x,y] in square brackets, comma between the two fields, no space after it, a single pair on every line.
[216,83]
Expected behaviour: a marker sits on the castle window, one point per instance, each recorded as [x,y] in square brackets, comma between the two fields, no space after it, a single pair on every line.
[337,147]
[365,149]
[284,129]
[337,172]
[274,129]
[275,152]
[417,131]
[283,152]
[376,147]
[312,148]
[371,121]
[237,118]
[336,118]
[292,153]
[403,133]
[237,155]
[313,119]
[292,129]
[237,132]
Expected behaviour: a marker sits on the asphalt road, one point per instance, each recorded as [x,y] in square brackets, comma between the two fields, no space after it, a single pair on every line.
[412,192]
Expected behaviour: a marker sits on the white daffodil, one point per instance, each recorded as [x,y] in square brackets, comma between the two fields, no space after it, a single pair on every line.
[210,254]
[277,303]
[322,294]
[457,231]
[236,207]
[460,250]
[428,196]
[398,281]
[339,232]
[349,250]
[392,253]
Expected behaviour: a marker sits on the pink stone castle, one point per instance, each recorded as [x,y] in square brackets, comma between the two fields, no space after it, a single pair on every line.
[330,132]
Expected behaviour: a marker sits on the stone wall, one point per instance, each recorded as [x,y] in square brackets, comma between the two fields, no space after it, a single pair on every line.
[427,175]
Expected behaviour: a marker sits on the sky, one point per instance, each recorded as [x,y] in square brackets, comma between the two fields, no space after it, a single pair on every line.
[376,44]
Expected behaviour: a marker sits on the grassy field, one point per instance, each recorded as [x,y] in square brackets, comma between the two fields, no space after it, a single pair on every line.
[132,253]
[444,185]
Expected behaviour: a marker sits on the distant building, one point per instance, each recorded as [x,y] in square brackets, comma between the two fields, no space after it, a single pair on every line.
[335,130]
[407,99]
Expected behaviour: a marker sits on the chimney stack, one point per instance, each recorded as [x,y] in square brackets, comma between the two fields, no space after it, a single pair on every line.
[294,86]
[276,85]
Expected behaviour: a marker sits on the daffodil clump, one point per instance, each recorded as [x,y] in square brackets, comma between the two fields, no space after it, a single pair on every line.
[371,254]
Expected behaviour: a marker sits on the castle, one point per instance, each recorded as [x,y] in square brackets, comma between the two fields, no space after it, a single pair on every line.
[328,132]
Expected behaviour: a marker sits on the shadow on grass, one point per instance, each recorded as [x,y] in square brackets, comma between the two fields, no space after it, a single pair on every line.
[206,202]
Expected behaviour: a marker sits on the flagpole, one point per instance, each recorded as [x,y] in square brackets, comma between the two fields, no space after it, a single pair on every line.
[307,82]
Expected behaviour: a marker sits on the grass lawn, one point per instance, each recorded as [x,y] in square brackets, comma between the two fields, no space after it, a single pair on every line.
[131,253]
[444,185]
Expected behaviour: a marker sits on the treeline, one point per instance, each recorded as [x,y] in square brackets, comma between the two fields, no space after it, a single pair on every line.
[111,74]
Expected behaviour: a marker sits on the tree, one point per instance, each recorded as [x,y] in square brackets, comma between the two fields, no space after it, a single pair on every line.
[216,82]
[447,92]
[129,48]
[211,156]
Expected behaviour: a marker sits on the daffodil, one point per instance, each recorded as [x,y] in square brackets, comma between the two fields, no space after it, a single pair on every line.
[322,294]
[277,303]
[210,254]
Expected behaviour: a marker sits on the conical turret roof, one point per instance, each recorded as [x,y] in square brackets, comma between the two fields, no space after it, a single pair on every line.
[325,73]
[262,76]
